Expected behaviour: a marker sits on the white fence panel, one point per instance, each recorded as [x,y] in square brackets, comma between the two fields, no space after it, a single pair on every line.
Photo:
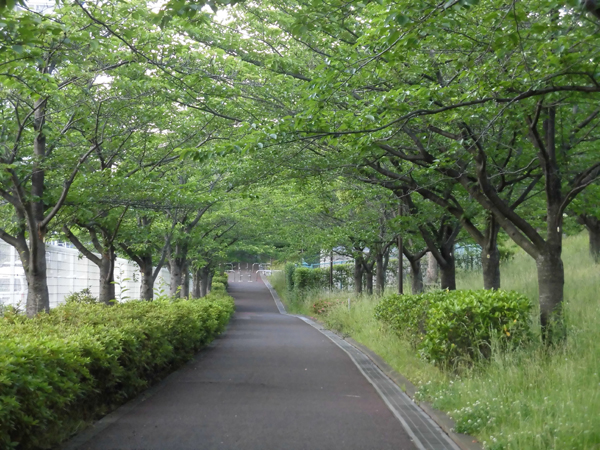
[68,271]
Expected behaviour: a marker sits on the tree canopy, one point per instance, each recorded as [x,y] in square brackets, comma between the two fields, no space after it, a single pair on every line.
[180,133]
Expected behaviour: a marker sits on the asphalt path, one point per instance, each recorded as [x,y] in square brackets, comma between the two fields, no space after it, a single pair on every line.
[270,382]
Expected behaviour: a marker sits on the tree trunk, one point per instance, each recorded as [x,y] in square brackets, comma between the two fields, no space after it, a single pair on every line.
[369,282]
[358,276]
[490,255]
[368,274]
[448,269]
[379,274]
[551,280]
[331,271]
[210,278]
[185,282]
[177,267]
[595,242]
[432,269]
[105,262]
[38,298]
[196,284]
[551,272]
[107,276]
[147,287]
[204,281]
[416,276]
[490,264]
[176,278]
[401,265]
[448,276]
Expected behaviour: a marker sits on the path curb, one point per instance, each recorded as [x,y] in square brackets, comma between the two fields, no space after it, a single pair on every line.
[464,441]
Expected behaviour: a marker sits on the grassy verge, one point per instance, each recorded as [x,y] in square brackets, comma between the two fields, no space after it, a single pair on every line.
[532,398]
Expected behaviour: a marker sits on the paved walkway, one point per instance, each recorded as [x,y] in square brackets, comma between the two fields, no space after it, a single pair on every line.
[271,382]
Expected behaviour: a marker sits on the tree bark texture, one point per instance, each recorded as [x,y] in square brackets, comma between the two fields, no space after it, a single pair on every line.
[432,270]
[331,271]
[594,233]
[358,275]
[204,281]
[490,264]
[38,298]
[379,273]
[185,282]
[490,255]
[196,284]
[210,279]
[416,277]
[551,280]
[400,266]
[448,275]
[147,282]
[369,282]
[177,264]
[107,275]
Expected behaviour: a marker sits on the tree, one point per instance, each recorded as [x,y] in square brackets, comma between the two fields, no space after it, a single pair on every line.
[46,93]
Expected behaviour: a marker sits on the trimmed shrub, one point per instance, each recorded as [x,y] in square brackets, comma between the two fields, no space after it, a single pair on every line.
[217,286]
[290,268]
[447,327]
[81,360]
[223,279]
[306,279]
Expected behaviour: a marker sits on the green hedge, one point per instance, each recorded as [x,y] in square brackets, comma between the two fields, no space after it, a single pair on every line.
[290,268]
[306,279]
[448,327]
[61,369]
[223,279]
[217,286]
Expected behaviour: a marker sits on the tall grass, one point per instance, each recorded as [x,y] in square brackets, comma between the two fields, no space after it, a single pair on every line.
[531,398]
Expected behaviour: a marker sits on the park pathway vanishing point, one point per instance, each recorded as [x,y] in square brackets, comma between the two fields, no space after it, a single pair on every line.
[271,381]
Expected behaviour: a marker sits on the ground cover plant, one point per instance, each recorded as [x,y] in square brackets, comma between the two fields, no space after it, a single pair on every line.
[532,397]
[61,369]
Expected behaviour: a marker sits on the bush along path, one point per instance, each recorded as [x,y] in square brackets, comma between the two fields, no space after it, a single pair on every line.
[449,328]
[63,369]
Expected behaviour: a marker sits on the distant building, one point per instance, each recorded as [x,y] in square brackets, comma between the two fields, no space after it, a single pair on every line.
[337,259]
[41,6]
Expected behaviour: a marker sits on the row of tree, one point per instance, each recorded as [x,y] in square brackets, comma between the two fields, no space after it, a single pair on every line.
[354,125]
[486,109]
[94,135]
